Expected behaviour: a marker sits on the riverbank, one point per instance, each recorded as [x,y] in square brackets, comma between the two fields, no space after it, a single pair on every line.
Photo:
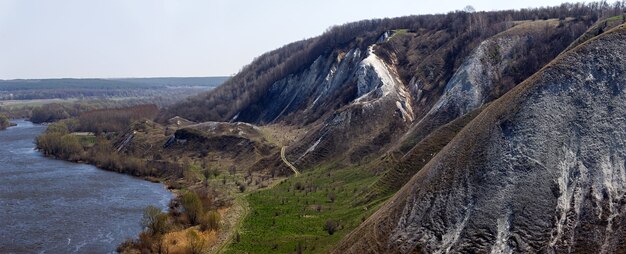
[60,207]
[194,219]
[5,123]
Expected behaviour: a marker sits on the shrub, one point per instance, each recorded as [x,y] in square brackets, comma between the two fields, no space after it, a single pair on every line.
[299,186]
[332,197]
[210,221]
[49,113]
[193,206]
[330,226]
[154,220]
[4,122]
[64,146]
[115,120]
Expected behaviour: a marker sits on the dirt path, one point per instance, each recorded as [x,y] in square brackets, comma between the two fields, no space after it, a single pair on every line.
[234,221]
[236,214]
[282,156]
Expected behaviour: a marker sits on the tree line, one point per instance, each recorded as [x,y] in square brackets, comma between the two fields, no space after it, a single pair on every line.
[254,79]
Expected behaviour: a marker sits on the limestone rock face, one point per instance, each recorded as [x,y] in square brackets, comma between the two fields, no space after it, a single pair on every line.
[381,110]
[313,89]
[541,169]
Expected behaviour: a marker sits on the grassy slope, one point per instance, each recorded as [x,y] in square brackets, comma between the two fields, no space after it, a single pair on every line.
[596,29]
[282,217]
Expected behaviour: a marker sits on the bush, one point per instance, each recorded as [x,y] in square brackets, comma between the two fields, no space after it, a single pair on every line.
[332,197]
[115,120]
[4,122]
[193,206]
[330,226]
[154,220]
[210,221]
[49,113]
[64,146]
[299,186]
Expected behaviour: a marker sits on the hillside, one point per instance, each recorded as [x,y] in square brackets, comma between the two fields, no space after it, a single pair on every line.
[539,170]
[369,91]
[432,133]
[444,41]
[378,103]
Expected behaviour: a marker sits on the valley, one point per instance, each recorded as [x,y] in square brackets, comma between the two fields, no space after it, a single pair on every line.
[471,131]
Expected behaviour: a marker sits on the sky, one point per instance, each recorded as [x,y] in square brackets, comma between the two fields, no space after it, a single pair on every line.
[179,38]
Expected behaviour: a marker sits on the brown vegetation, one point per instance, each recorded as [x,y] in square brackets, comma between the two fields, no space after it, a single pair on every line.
[115,120]
[246,88]
[4,122]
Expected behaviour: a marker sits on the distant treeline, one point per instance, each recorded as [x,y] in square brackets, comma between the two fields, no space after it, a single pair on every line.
[254,80]
[108,116]
[115,120]
[72,96]
[28,89]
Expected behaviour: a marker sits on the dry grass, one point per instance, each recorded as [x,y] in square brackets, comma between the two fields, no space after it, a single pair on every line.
[282,135]
[177,242]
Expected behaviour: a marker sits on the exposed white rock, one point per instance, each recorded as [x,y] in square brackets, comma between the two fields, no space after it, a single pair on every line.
[471,83]
[311,148]
[501,244]
[552,152]
[374,76]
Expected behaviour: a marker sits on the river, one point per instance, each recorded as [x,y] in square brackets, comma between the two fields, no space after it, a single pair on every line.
[53,206]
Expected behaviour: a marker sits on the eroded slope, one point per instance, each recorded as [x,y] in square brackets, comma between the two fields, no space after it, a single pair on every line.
[541,169]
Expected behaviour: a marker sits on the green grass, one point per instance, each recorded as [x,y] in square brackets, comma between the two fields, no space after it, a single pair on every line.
[618,17]
[398,32]
[86,140]
[282,217]
[19,104]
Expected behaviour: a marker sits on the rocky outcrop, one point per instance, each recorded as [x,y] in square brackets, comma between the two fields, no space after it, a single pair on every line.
[313,90]
[380,112]
[492,69]
[229,140]
[542,169]
[484,75]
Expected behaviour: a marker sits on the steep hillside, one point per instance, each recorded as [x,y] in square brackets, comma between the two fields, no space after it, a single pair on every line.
[599,28]
[360,101]
[495,66]
[539,170]
[370,88]
[447,37]
[453,116]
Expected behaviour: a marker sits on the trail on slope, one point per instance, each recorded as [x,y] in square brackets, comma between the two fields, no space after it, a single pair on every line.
[282,156]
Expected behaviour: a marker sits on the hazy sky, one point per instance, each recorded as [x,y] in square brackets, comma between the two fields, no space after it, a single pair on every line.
[152,38]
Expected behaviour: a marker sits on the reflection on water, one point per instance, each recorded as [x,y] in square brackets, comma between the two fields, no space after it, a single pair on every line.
[53,206]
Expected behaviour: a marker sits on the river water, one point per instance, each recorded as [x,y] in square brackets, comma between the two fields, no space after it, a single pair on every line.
[52,206]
